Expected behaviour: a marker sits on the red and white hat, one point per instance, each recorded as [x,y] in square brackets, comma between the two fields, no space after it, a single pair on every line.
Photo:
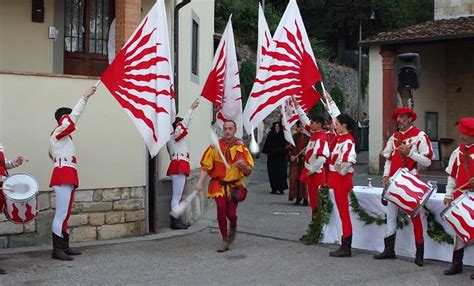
[466,126]
[404,110]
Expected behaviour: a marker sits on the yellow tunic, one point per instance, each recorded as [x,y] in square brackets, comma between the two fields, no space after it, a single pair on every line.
[220,177]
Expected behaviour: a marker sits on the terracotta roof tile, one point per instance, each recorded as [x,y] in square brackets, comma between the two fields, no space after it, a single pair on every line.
[436,30]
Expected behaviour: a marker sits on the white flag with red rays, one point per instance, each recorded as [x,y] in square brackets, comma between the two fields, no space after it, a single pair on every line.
[222,86]
[140,79]
[288,68]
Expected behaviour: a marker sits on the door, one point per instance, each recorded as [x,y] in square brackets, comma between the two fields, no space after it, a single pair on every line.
[86,31]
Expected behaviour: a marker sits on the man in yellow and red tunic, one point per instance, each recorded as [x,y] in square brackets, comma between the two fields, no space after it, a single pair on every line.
[223,180]
[461,179]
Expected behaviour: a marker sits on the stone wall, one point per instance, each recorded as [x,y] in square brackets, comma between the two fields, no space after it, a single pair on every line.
[445,9]
[98,214]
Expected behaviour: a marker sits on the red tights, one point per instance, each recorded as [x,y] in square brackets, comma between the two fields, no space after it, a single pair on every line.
[417,229]
[226,210]
[342,201]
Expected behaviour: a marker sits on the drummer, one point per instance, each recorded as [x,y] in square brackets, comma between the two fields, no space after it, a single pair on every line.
[4,166]
[460,170]
[64,179]
[409,147]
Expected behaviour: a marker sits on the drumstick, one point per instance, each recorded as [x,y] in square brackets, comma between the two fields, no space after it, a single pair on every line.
[459,189]
[7,189]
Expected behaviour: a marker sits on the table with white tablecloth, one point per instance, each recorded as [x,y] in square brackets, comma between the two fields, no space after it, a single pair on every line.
[371,237]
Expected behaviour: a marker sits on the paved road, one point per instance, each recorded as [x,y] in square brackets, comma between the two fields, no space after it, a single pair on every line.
[266,252]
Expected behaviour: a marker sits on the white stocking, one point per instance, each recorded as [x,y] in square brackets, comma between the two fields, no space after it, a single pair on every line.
[178,188]
[64,198]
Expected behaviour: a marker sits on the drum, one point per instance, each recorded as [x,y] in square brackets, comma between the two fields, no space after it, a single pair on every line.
[460,216]
[21,198]
[407,192]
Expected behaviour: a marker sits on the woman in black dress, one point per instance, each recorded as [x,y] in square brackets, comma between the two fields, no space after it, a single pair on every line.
[277,159]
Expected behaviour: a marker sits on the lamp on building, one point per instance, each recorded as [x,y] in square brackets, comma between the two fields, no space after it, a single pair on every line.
[359,73]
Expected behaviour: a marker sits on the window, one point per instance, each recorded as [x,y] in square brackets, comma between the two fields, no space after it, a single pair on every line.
[86,27]
[195,48]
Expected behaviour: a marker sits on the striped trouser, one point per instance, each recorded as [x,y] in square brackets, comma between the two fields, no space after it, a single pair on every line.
[64,200]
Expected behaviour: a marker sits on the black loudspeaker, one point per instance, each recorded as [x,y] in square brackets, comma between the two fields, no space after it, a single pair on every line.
[409,71]
[37,11]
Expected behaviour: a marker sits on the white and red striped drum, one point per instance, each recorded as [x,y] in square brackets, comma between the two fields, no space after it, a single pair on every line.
[21,198]
[460,216]
[407,192]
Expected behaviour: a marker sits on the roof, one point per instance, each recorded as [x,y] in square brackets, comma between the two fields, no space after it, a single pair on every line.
[437,30]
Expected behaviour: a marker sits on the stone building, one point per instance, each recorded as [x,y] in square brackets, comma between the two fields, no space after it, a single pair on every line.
[51,51]
[446,93]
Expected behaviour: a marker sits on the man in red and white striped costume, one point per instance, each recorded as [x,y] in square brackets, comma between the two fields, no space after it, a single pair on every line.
[179,167]
[409,147]
[461,177]
[316,153]
[4,166]
[64,179]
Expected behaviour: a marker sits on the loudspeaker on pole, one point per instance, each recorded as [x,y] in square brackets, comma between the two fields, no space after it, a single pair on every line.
[409,71]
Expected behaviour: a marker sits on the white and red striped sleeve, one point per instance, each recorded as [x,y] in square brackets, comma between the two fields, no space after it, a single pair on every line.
[388,150]
[180,132]
[452,170]
[65,127]
[348,153]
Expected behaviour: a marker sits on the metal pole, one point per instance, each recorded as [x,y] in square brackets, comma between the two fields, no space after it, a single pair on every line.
[359,81]
[263,4]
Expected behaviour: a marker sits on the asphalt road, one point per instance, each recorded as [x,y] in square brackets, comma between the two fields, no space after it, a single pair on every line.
[266,252]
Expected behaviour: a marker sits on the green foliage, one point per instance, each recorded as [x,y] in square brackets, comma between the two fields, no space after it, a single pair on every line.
[247,77]
[364,79]
[363,215]
[320,49]
[436,230]
[315,228]
[244,19]
[338,96]
[337,21]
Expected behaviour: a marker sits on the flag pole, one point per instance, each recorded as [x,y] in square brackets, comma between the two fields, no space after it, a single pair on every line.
[97,83]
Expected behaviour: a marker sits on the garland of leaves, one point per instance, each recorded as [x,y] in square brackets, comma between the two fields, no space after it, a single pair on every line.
[315,228]
[314,232]
[436,230]
[402,218]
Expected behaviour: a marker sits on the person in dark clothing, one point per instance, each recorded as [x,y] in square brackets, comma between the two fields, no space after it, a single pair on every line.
[277,159]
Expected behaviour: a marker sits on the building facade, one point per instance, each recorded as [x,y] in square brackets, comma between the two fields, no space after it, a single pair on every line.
[51,51]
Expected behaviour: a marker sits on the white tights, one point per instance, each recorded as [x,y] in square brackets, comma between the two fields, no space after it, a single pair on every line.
[64,200]
[178,188]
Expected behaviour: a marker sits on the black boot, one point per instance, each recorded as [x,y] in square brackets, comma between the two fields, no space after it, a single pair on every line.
[58,249]
[183,223]
[389,251]
[456,264]
[2,271]
[298,201]
[305,203]
[420,251]
[472,276]
[345,249]
[176,224]
[68,250]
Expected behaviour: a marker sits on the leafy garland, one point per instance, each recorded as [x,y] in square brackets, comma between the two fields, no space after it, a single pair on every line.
[402,218]
[315,228]
[436,230]
[314,232]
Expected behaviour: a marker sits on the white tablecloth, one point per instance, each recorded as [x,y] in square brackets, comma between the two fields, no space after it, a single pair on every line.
[371,237]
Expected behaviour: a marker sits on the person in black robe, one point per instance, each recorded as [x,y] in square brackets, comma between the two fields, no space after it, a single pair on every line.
[277,159]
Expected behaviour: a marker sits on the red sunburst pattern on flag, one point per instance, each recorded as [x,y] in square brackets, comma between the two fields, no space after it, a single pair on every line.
[214,87]
[292,72]
[133,78]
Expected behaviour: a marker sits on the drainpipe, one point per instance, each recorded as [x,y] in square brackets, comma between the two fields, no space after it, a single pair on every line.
[176,52]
